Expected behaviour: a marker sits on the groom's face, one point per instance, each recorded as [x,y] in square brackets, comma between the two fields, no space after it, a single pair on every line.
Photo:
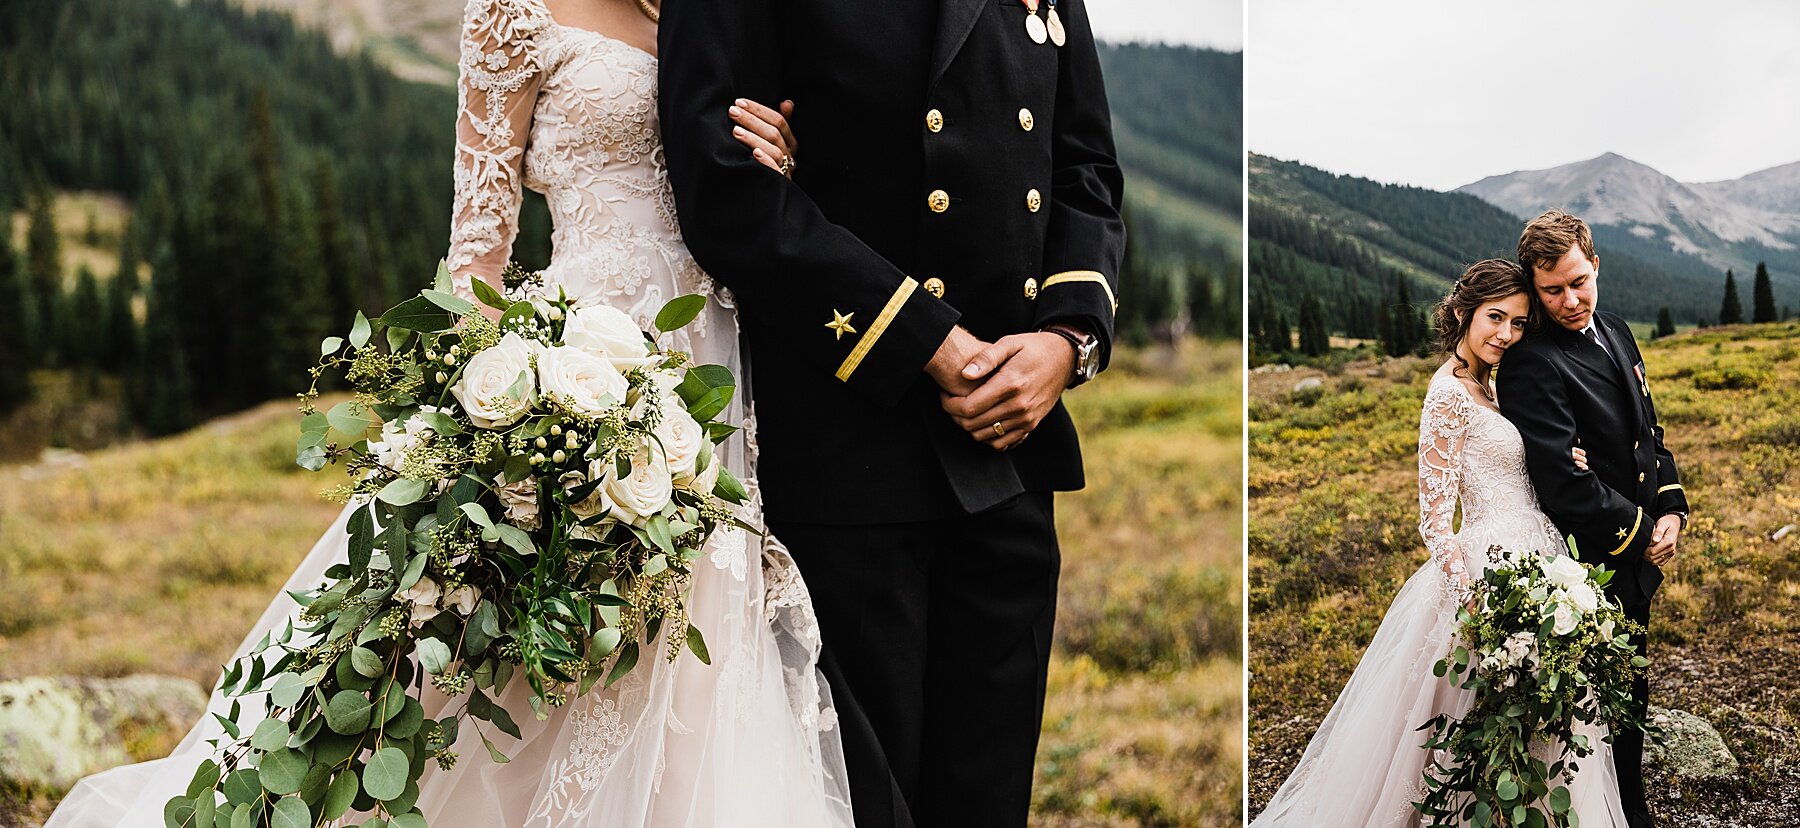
[1569,290]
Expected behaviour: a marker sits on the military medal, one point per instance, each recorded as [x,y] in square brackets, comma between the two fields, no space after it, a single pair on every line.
[1055,26]
[1034,25]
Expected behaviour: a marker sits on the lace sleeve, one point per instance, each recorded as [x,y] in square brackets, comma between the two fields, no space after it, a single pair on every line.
[1442,425]
[497,87]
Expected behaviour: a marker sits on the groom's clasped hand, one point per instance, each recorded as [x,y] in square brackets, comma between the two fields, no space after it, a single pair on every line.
[998,392]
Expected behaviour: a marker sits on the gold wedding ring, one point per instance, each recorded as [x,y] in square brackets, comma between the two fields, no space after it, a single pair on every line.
[999,430]
[787,164]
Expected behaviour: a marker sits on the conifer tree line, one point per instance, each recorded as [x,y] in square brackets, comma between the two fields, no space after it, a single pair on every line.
[276,188]
[1762,292]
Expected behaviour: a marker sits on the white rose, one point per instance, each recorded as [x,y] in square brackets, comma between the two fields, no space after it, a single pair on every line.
[1583,597]
[596,502]
[424,596]
[607,332]
[643,492]
[665,382]
[1565,571]
[463,598]
[585,383]
[681,439]
[482,390]
[1518,646]
[1566,619]
[521,502]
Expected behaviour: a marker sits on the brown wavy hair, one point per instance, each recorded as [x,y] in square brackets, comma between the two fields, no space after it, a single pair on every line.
[1488,280]
[1549,237]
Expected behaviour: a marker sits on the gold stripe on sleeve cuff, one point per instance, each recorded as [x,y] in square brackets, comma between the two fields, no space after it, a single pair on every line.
[1670,488]
[1085,276]
[1634,530]
[879,326]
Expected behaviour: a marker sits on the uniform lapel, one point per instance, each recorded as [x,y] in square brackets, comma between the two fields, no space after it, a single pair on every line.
[1621,360]
[955,19]
[1588,355]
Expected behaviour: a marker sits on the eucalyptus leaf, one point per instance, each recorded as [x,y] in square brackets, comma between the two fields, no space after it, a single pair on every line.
[697,643]
[290,812]
[487,294]
[282,771]
[494,752]
[434,655]
[415,569]
[270,735]
[386,773]
[340,795]
[287,690]
[330,345]
[348,712]
[366,662]
[402,492]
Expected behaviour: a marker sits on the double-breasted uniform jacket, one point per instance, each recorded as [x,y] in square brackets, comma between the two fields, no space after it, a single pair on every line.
[1562,390]
[950,171]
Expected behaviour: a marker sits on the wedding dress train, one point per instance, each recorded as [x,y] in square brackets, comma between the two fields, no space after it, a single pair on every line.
[1364,766]
[747,741]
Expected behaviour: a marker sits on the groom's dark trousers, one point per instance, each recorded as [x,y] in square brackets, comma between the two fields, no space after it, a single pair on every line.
[1562,389]
[951,171]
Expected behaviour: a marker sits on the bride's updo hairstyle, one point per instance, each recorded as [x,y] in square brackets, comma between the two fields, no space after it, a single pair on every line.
[1488,280]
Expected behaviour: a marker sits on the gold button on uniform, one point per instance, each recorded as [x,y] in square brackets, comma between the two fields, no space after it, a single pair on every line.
[1026,122]
[1640,477]
[1031,287]
[1034,200]
[934,121]
[939,201]
[935,287]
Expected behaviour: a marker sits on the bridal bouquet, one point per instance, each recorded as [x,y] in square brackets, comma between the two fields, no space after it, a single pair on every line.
[1546,650]
[532,494]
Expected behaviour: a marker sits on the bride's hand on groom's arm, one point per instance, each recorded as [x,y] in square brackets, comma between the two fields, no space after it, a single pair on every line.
[766,132]
[1020,379]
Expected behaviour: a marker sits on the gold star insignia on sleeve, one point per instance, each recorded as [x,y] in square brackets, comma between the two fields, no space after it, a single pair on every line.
[841,323]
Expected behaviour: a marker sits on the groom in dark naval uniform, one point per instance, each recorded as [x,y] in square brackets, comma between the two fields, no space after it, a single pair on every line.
[940,266]
[1580,381]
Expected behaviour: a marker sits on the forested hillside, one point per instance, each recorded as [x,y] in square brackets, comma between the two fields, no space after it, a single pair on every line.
[1349,241]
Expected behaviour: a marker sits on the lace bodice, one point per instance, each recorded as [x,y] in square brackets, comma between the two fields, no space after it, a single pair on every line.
[569,113]
[1471,455]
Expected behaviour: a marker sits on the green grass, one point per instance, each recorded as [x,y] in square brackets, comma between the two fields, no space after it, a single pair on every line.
[156,556]
[1333,534]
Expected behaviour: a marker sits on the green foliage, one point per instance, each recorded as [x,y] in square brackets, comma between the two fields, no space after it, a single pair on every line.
[43,268]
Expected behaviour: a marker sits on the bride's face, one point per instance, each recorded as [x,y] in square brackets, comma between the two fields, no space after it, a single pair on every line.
[1495,326]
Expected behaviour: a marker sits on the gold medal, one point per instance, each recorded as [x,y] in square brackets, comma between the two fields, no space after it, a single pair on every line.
[1034,25]
[1034,28]
[1057,35]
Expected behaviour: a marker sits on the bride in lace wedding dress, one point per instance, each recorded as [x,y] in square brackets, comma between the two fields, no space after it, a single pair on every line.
[751,739]
[1364,766]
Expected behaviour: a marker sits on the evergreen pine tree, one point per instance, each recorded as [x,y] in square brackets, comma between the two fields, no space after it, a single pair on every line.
[15,304]
[1763,301]
[1315,340]
[163,379]
[84,327]
[43,266]
[1205,315]
[1731,312]
[1665,323]
[121,292]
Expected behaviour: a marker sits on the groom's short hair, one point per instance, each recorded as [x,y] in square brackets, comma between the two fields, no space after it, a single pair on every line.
[1548,238]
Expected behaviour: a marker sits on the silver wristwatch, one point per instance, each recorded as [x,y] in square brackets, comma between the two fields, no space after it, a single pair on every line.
[1087,351]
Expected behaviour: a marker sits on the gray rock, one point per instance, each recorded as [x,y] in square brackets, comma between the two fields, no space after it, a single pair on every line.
[1691,747]
[1308,384]
[55,730]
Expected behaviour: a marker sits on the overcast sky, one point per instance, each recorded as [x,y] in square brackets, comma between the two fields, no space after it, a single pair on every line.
[1217,24]
[1440,94]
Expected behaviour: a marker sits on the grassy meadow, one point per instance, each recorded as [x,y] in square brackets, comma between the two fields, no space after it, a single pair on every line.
[156,556]
[1333,534]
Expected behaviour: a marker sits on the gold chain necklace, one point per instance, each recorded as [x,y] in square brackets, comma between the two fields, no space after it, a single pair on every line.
[649,11]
